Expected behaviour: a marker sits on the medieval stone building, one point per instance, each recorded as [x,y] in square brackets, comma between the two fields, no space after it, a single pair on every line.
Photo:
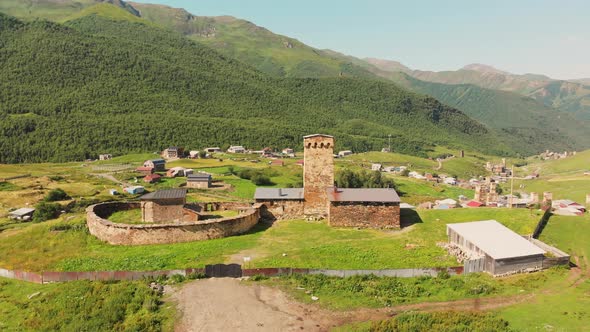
[343,207]
[485,192]
[163,206]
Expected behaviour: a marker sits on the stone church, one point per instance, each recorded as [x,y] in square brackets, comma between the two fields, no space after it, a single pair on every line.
[320,198]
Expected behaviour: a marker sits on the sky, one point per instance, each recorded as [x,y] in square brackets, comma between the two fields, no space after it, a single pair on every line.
[520,36]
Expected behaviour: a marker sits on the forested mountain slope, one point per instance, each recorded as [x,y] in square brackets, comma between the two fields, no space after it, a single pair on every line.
[527,125]
[71,91]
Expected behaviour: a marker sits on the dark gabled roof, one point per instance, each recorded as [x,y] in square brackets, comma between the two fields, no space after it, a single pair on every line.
[173,148]
[158,161]
[164,194]
[378,195]
[279,194]
[199,177]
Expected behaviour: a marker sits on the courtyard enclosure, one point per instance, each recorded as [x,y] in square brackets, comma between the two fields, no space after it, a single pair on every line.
[501,250]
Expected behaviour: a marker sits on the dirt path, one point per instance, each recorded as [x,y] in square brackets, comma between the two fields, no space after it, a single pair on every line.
[227,305]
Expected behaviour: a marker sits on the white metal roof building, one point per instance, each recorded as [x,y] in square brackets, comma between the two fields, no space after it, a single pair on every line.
[502,250]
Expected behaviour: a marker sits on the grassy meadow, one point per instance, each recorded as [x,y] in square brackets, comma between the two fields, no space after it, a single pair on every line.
[295,243]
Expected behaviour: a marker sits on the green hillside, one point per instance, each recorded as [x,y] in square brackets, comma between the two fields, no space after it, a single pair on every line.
[266,51]
[565,96]
[537,126]
[523,124]
[70,92]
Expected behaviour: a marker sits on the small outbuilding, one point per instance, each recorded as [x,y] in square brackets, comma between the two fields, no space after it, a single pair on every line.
[22,214]
[364,207]
[152,178]
[159,165]
[163,205]
[499,249]
[198,180]
[134,190]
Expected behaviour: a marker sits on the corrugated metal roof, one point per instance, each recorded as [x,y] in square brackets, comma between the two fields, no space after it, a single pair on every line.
[380,195]
[198,177]
[21,212]
[495,239]
[279,193]
[164,194]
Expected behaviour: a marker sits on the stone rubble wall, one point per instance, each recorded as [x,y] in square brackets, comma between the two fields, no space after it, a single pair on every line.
[131,234]
[364,215]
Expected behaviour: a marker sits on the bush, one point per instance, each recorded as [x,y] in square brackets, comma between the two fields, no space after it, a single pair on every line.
[442,321]
[46,211]
[261,180]
[56,195]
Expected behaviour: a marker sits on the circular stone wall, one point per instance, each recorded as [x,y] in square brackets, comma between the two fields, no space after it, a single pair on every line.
[130,234]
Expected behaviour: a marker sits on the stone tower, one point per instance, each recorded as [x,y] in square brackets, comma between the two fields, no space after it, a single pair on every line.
[318,173]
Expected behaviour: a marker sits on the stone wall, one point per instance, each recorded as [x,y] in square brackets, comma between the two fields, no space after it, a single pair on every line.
[128,234]
[318,173]
[198,184]
[282,209]
[365,215]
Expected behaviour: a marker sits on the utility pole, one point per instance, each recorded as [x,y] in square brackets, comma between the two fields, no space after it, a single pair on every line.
[511,185]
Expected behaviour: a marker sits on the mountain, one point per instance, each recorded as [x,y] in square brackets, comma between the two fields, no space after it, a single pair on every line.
[535,124]
[68,92]
[517,120]
[565,96]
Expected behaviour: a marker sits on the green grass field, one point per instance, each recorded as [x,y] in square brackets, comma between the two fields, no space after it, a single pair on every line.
[563,304]
[306,244]
[82,306]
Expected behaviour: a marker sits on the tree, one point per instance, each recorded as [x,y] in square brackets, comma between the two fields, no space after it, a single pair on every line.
[46,211]
[56,195]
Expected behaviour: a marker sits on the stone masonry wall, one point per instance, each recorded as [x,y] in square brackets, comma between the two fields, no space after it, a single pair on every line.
[365,215]
[128,234]
[318,173]
[282,209]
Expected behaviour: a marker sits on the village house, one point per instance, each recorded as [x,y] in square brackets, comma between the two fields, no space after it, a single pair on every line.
[105,156]
[236,149]
[145,170]
[486,192]
[23,214]
[134,190]
[193,154]
[173,152]
[444,204]
[360,207]
[152,178]
[376,167]
[343,207]
[176,171]
[288,152]
[163,206]
[567,207]
[497,249]
[344,153]
[159,165]
[198,180]
[212,150]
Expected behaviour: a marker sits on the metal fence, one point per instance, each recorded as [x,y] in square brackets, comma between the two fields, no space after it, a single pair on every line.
[217,271]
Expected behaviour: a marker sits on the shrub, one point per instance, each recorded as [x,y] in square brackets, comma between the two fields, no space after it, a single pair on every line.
[56,195]
[442,321]
[261,180]
[46,211]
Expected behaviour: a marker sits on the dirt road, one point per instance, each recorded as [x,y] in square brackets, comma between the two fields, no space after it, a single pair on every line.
[226,305]
[230,305]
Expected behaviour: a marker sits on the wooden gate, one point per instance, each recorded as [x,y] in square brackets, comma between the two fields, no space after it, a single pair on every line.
[474,265]
[223,271]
